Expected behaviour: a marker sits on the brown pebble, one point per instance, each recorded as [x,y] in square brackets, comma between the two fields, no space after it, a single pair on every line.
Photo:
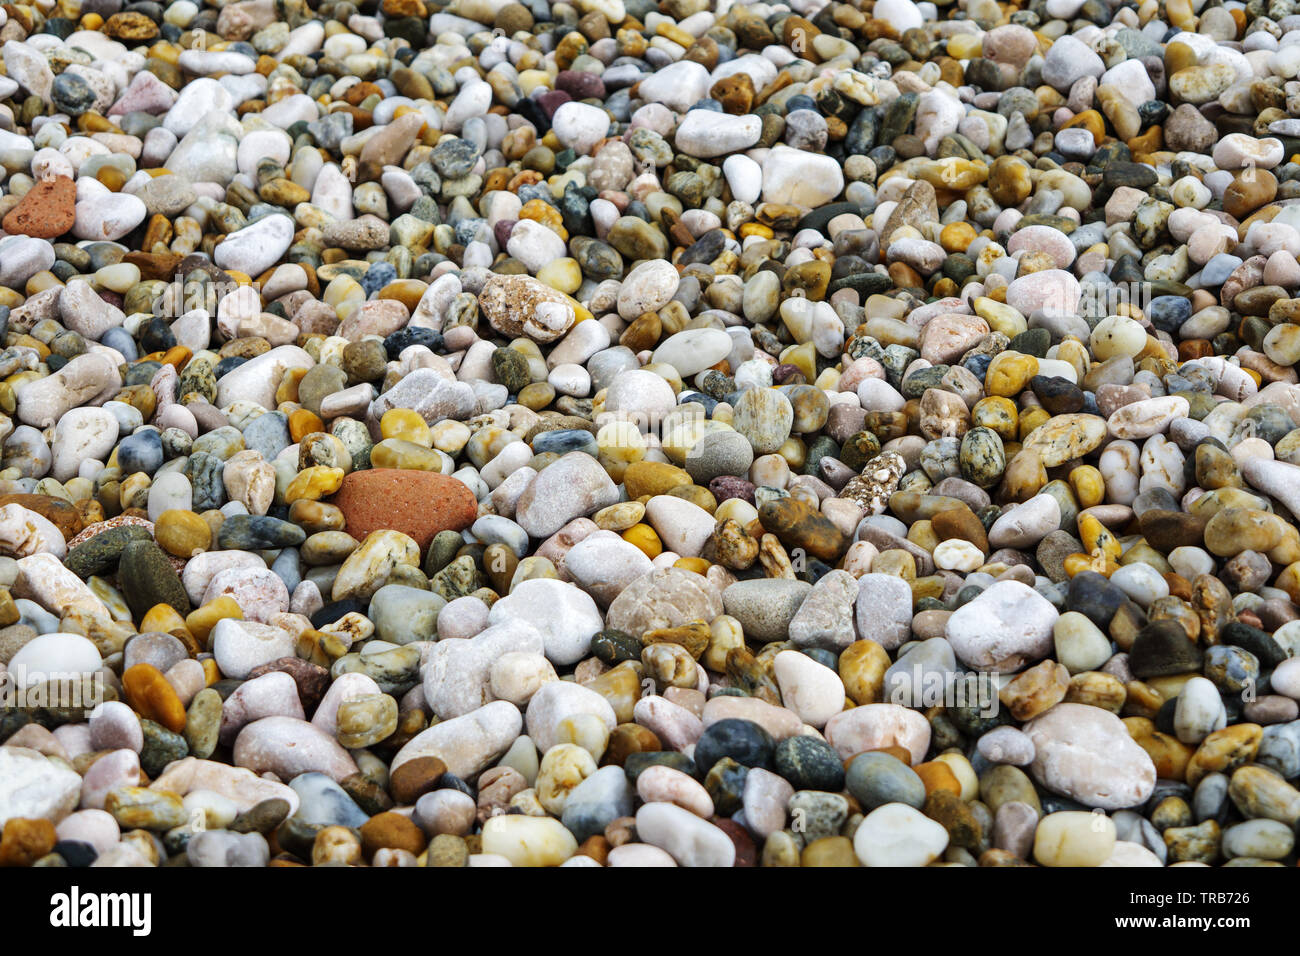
[46,212]
[391,830]
[414,778]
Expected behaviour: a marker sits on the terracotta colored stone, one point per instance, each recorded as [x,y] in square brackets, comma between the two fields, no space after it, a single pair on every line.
[391,830]
[46,212]
[151,696]
[416,503]
[26,841]
[937,775]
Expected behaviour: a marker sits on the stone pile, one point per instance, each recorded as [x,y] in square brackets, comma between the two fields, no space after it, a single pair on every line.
[619,433]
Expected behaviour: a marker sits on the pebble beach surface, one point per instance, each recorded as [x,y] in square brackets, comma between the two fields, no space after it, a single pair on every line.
[617,433]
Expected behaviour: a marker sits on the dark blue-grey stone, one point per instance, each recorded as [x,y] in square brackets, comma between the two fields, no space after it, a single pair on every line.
[564,440]
[258,533]
[142,451]
[742,740]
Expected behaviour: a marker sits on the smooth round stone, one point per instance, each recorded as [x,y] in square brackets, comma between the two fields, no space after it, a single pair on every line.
[1079,644]
[50,655]
[687,838]
[742,740]
[1199,711]
[324,803]
[288,746]
[1116,773]
[876,779]
[1261,839]
[883,609]
[1007,626]
[1141,582]
[402,614]
[566,617]
[811,690]
[1007,745]
[648,287]
[528,841]
[719,453]
[240,646]
[1074,838]
[766,607]
[445,811]
[764,417]
[596,802]
[558,701]
[875,726]
[694,350]
[898,835]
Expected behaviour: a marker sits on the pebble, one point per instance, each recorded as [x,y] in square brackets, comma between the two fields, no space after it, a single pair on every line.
[1124,778]
[898,835]
[625,420]
[1007,626]
[688,839]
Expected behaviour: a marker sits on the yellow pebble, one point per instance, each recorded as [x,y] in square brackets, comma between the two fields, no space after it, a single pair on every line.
[998,414]
[182,533]
[957,236]
[202,620]
[314,483]
[396,453]
[407,425]
[450,436]
[965,46]
[563,274]
[1031,419]
[698,565]
[162,617]
[543,212]
[1097,537]
[1078,563]
[671,31]
[643,536]
[1088,485]
[1009,373]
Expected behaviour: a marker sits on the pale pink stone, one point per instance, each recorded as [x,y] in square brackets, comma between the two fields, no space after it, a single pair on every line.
[875,726]
[1054,291]
[675,726]
[777,721]
[120,768]
[96,827]
[945,338]
[638,855]
[662,784]
[271,695]
[1043,239]
[287,747]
